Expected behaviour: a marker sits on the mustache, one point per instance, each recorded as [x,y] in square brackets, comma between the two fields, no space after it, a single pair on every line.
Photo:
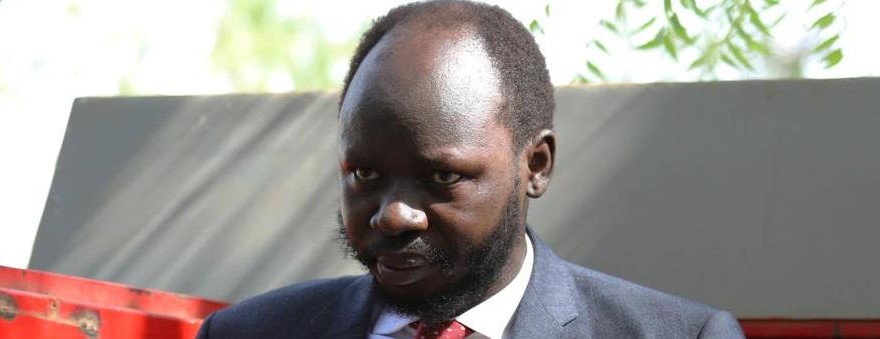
[411,242]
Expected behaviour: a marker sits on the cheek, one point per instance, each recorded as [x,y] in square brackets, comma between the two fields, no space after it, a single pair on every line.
[473,215]
[355,214]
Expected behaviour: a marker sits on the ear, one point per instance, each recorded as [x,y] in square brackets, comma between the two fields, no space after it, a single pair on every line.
[540,156]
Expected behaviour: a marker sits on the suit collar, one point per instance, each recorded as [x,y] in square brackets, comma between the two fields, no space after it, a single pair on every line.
[348,314]
[547,305]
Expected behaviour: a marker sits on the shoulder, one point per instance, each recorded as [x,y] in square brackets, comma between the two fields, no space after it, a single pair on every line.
[628,308]
[294,297]
[617,294]
[276,313]
[587,303]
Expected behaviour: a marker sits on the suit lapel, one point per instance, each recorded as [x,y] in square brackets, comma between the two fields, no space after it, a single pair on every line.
[548,304]
[349,314]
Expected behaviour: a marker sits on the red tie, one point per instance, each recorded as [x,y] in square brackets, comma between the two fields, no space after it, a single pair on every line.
[446,330]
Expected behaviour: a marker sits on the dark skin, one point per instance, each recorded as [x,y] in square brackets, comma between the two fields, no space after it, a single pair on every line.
[424,159]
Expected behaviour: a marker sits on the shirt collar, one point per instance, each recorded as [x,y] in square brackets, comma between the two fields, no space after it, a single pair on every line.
[491,317]
[488,318]
[390,323]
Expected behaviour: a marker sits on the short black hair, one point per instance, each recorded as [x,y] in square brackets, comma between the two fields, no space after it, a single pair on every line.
[528,93]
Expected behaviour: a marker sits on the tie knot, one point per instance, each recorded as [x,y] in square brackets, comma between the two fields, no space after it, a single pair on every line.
[444,330]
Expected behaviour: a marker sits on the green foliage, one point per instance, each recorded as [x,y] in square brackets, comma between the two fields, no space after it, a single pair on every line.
[535,27]
[742,31]
[833,58]
[255,44]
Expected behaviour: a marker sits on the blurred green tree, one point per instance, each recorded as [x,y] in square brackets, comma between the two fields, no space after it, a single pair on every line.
[735,33]
[257,49]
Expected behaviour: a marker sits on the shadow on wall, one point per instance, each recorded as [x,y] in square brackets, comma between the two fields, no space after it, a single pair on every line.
[748,196]
[758,197]
[196,194]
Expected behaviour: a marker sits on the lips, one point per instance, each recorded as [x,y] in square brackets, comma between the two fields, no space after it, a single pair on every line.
[401,269]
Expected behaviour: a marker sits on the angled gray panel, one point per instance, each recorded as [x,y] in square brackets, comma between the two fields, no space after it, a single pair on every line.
[759,197]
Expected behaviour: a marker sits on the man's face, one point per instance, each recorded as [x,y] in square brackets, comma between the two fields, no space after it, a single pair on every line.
[431,201]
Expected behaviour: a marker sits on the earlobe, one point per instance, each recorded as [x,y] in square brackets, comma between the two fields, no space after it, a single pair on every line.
[540,156]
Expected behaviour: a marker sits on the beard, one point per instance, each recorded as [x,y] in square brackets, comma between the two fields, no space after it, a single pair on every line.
[483,265]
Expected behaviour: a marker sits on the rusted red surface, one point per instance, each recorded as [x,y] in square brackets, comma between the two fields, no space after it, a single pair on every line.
[797,328]
[37,305]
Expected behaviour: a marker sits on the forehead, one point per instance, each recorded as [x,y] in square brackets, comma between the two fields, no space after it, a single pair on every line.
[438,84]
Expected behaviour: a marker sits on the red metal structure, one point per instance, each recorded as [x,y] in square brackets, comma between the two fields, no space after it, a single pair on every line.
[830,328]
[36,304]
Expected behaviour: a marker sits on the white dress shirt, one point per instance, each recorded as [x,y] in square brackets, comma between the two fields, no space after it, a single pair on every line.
[489,319]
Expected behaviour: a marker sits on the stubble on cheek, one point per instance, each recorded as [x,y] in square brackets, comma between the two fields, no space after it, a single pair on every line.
[343,236]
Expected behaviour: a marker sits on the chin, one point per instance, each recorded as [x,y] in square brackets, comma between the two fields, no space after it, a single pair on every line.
[448,292]
[420,284]
[416,292]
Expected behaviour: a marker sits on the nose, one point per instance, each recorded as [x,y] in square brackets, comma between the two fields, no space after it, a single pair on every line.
[396,217]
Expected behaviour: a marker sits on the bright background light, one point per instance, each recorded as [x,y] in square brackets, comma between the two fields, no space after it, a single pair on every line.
[54,51]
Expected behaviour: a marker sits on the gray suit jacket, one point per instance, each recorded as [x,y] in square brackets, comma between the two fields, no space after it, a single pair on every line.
[562,300]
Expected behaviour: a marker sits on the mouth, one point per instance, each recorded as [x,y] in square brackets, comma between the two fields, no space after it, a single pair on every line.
[402,269]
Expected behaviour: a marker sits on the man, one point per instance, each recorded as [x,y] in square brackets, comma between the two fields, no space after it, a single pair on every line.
[445,132]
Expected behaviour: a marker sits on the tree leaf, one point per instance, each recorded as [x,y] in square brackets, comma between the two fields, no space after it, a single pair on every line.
[826,44]
[728,12]
[609,26]
[580,79]
[688,4]
[742,33]
[600,45]
[547,9]
[644,26]
[758,47]
[738,54]
[619,10]
[679,29]
[667,7]
[824,21]
[778,20]
[771,3]
[697,63]
[755,19]
[815,3]
[639,3]
[595,70]
[535,27]
[654,43]
[704,13]
[669,45]
[726,59]
[833,58]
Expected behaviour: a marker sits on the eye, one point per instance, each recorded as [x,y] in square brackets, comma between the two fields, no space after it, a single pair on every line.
[365,174]
[445,177]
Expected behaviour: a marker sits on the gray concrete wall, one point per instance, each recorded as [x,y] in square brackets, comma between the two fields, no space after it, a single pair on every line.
[758,197]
